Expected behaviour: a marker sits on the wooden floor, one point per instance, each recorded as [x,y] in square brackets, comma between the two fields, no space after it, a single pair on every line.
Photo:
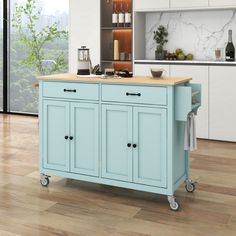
[69,207]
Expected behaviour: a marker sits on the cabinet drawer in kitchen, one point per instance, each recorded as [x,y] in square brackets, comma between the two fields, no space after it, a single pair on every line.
[134,94]
[70,90]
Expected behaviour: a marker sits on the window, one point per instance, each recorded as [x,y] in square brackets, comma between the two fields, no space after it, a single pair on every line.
[38,46]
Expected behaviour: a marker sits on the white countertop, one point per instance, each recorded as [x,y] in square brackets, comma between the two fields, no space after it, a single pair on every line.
[186,62]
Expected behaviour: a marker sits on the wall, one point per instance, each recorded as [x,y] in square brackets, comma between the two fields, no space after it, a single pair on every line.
[197,32]
[84,30]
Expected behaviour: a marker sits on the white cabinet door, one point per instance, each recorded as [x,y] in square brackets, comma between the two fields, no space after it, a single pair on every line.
[84,30]
[199,75]
[187,3]
[150,5]
[222,103]
[145,69]
[216,3]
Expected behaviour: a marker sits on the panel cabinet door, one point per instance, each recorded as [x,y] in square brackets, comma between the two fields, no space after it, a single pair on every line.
[140,5]
[145,69]
[55,128]
[199,75]
[222,105]
[215,3]
[84,146]
[150,134]
[187,3]
[116,134]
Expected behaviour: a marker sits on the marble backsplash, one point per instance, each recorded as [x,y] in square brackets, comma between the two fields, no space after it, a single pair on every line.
[199,33]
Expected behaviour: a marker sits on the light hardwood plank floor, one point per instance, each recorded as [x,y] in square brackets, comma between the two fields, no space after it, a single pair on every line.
[69,207]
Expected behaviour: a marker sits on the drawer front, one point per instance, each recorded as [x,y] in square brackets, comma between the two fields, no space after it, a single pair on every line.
[71,90]
[134,94]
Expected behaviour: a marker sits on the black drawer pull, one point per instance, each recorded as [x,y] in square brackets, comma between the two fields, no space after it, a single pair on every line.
[70,90]
[71,137]
[133,94]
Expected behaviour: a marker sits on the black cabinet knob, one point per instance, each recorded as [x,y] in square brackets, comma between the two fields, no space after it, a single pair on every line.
[129,145]
[134,145]
[71,138]
[66,137]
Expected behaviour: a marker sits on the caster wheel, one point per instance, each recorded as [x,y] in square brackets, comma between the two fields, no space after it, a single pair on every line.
[44,181]
[190,187]
[174,206]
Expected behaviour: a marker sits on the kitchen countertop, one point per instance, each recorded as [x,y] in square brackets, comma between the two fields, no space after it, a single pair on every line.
[186,62]
[142,80]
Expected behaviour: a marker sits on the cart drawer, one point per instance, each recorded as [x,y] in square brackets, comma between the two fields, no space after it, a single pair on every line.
[135,94]
[71,90]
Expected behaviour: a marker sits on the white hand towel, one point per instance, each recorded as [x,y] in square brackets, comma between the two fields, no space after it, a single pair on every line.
[190,139]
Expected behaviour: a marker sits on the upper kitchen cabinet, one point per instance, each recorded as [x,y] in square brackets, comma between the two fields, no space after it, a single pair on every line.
[217,3]
[188,4]
[199,75]
[222,103]
[150,5]
[84,30]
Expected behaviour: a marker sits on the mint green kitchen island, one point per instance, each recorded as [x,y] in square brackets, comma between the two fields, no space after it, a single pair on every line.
[121,132]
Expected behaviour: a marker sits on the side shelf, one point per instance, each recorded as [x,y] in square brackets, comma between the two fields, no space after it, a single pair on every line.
[187,99]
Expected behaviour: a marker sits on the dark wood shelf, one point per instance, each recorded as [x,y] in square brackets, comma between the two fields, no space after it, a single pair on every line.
[110,33]
[110,61]
[117,28]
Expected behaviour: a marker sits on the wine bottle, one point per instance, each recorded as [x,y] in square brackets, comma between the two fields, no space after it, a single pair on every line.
[127,16]
[115,16]
[230,50]
[121,16]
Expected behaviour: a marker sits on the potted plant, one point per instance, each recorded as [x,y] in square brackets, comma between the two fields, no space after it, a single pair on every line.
[160,37]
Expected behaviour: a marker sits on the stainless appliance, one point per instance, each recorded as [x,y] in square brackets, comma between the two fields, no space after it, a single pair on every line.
[84,62]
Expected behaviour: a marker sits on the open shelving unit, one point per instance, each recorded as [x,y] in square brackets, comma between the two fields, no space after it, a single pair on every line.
[109,33]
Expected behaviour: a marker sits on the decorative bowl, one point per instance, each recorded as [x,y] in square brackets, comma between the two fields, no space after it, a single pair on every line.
[157,73]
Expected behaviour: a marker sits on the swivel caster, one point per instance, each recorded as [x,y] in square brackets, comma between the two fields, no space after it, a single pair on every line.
[190,186]
[44,180]
[174,205]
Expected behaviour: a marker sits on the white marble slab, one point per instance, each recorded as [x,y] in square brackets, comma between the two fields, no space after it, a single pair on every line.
[197,32]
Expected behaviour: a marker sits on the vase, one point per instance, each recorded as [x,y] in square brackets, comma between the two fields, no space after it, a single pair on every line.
[159,55]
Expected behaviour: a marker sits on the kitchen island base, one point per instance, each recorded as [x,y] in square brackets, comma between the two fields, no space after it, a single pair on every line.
[121,132]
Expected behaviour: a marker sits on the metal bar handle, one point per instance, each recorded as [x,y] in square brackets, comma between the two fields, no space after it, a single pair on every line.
[70,90]
[133,94]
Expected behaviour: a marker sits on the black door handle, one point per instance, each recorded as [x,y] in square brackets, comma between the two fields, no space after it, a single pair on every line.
[70,90]
[71,138]
[134,145]
[133,94]
[66,137]
[129,145]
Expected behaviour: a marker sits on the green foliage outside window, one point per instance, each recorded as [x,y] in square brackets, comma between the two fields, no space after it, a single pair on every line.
[35,50]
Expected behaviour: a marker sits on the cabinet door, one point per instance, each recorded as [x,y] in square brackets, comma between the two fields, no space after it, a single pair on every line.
[149,133]
[200,76]
[55,128]
[187,3]
[84,130]
[116,134]
[222,103]
[140,5]
[145,69]
[84,30]
[215,3]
